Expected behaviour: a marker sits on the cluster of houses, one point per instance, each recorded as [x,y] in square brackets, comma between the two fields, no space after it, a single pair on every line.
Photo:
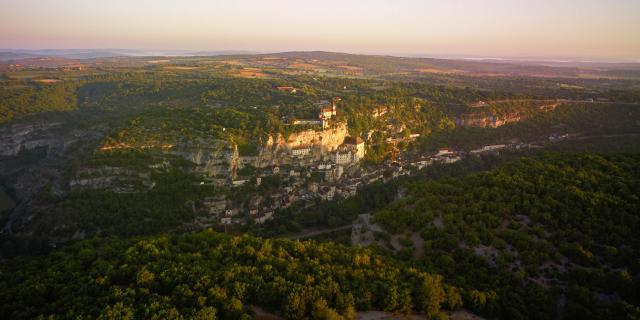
[325,180]
[310,174]
[334,180]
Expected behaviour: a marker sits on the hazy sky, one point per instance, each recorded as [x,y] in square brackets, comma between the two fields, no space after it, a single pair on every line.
[544,28]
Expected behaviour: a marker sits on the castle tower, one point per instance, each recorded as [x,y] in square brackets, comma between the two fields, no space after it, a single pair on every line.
[333,105]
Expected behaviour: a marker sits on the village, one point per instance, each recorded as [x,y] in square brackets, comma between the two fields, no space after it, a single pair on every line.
[312,169]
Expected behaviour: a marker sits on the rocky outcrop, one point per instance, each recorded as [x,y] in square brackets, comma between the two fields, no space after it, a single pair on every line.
[216,158]
[486,121]
[278,149]
[116,179]
[19,137]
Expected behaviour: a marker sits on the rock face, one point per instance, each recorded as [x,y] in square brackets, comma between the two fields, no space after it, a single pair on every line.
[116,179]
[486,121]
[35,156]
[216,158]
[221,159]
[19,137]
[278,149]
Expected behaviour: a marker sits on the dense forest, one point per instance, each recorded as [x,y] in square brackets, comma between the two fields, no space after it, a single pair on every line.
[565,223]
[20,100]
[209,276]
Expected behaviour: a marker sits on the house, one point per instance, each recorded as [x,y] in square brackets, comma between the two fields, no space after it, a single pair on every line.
[489,148]
[450,159]
[327,113]
[300,152]
[342,156]
[307,122]
[443,152]
[357,145]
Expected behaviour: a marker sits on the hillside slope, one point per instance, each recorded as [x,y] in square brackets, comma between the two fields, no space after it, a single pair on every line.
[208,276]
[563,223]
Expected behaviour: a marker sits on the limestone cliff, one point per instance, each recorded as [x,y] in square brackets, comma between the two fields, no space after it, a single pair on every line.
[216,158]
[487,121]
[278,149]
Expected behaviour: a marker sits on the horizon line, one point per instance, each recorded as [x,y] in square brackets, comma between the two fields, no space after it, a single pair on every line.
[445,56]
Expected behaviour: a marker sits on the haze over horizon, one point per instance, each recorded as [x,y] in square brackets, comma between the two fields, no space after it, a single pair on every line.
[588,29]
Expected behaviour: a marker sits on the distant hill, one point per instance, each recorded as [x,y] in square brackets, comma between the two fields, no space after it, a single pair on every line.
[358,64]
[16,54]
[6,55]
[392,64]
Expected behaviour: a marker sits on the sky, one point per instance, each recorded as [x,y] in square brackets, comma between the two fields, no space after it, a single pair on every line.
[473,28]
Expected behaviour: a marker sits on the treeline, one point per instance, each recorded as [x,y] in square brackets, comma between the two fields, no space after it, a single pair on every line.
[209,276]
[551,227]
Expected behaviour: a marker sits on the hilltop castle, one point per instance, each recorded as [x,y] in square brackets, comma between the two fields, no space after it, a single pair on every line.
[324,115]
[327,113]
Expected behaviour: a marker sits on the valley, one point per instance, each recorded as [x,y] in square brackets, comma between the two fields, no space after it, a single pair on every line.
[317,185]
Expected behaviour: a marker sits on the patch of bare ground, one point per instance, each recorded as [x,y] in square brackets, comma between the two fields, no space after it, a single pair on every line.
[233,62]
[436,70]
[298,65]
[251,73]
[348,67]
[47,80]
[180,68]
